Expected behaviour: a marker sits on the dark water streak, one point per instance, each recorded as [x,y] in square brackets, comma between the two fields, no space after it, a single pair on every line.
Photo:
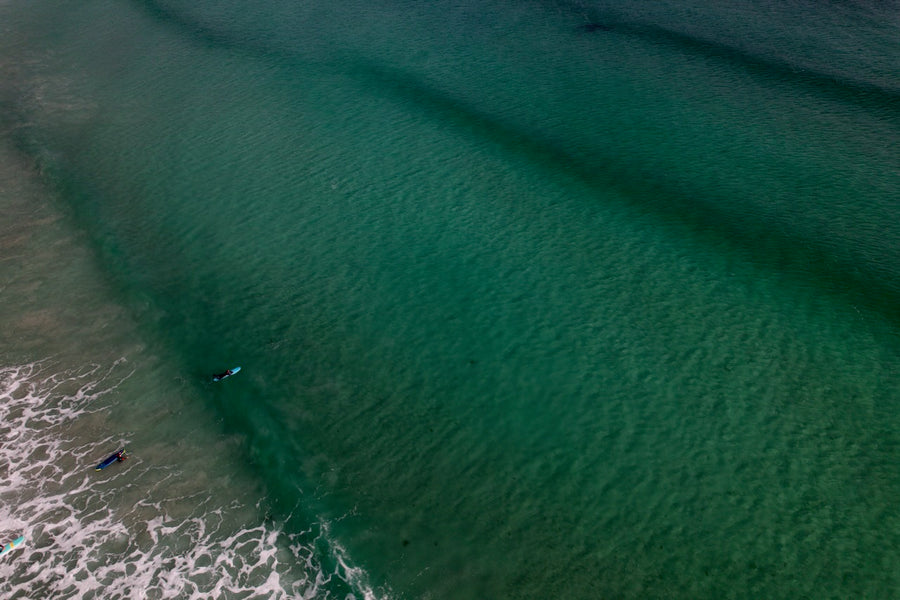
[880,101]
[759,241]
[883,102]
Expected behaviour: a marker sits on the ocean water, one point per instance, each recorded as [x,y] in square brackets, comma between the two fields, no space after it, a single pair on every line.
[532,299]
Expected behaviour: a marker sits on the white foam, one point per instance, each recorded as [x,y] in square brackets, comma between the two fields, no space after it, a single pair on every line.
[353,575]
[83,540]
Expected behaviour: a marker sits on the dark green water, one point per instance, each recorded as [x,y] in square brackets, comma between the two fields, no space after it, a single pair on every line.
[533,300]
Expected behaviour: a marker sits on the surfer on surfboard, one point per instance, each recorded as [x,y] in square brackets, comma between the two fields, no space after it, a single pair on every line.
[227,373]
[117,456]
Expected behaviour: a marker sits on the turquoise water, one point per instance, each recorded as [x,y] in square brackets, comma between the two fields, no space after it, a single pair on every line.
[532,300]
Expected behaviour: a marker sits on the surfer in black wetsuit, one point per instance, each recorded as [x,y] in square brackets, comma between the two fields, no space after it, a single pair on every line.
[118,456]
[225,374]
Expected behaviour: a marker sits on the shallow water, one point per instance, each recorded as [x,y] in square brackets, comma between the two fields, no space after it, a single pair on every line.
[524,308]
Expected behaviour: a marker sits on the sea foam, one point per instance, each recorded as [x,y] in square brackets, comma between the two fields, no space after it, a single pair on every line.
[85,539]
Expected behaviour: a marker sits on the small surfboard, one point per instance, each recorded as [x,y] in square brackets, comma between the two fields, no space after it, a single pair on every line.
[227,373]
[16,542]
[117,456]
